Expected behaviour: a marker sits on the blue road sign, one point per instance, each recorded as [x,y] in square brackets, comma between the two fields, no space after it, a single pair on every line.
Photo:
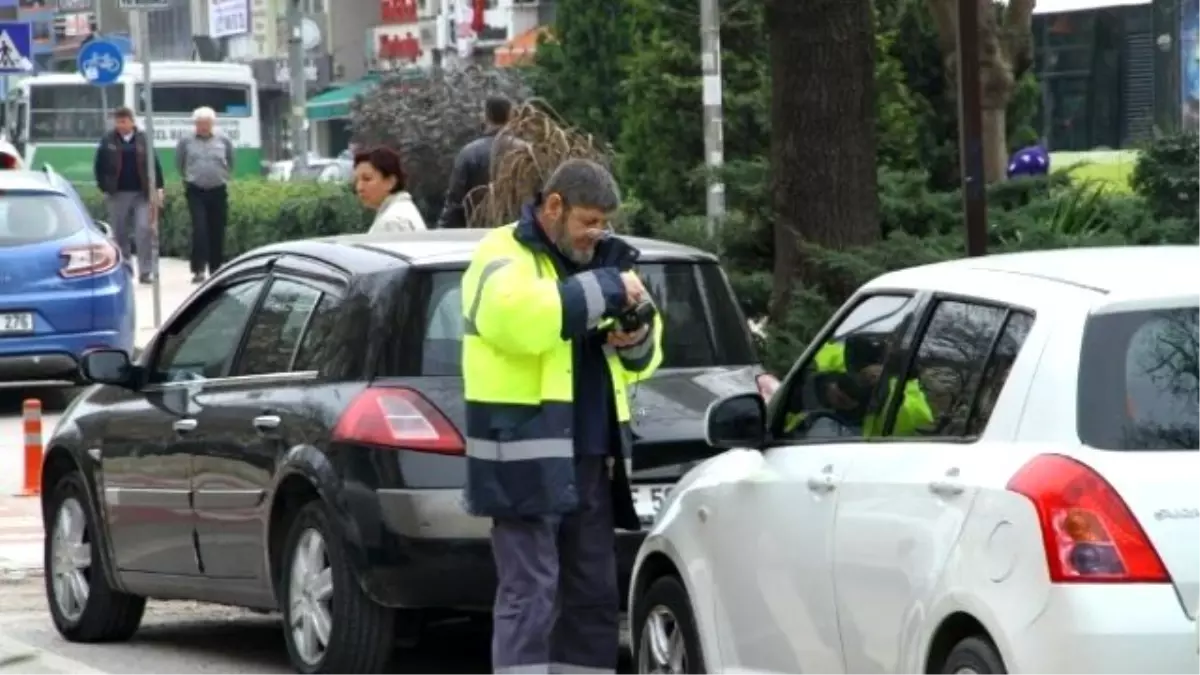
[16,40]
[100,62]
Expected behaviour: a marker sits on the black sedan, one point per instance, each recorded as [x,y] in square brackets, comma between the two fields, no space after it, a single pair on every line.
[291,440]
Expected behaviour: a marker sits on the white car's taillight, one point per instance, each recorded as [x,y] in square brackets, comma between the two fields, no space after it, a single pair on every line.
[1088,532]
[88,260]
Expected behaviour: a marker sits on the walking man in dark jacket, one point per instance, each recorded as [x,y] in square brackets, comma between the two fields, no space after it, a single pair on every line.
[547,374]
[120,172]
[473,165]
[205,161]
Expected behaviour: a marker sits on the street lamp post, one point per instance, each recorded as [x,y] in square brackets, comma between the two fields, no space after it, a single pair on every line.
[970,128]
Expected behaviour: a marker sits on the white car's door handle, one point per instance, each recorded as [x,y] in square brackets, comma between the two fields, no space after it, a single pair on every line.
[266,422]
[821,484]
[945,488]
[185,425]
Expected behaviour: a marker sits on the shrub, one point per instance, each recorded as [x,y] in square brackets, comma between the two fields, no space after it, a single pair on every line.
[1166,176]
[260,212]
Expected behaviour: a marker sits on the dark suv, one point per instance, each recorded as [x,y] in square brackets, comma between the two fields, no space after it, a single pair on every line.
[291,440]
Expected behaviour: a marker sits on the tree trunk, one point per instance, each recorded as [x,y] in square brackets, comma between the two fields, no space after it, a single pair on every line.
[822,133]
[1005,53]
[995,144]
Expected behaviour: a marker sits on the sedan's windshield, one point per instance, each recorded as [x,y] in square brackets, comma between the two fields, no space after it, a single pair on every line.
[687,295]
[1139,379]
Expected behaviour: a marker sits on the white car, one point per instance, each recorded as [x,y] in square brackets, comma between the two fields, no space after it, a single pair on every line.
[982,466]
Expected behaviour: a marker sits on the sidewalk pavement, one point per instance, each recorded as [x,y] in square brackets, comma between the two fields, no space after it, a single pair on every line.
[17,657]
[20,517]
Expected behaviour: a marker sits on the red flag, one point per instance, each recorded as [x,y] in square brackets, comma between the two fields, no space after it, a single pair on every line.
[477,23]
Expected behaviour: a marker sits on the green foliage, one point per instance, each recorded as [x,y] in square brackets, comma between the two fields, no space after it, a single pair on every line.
[260,212]
[1167,177]
[661,142]
[577,69]
[897,120]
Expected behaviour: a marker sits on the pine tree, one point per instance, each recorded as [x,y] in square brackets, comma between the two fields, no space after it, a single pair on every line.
[577,68]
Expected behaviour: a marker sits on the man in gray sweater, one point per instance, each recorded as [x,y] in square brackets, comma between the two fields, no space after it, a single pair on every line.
[205,160]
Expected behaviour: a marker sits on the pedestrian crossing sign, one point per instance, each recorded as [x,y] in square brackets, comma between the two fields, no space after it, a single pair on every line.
[16,38]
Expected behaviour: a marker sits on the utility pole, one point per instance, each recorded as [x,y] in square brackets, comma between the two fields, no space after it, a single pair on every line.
[714,123]
[143,24]
[99,34]
[295,16]
[970,129]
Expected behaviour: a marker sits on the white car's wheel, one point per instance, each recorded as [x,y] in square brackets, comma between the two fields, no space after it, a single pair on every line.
[974,656]
[664,636]
[83,606]
[330,625]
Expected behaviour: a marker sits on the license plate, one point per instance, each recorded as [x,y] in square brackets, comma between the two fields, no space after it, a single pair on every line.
[17,322]
[648,499]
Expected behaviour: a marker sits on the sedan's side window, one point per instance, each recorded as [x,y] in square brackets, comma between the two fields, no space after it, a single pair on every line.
[204,345]
[949,364]
[842,391]
[317,335]
[276,328]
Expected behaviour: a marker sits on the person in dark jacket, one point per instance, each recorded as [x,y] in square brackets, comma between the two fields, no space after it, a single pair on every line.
[120,172]
[473,165]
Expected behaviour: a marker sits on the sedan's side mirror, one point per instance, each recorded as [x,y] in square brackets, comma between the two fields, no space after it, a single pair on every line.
[107,366]
[108,229]
[737,421]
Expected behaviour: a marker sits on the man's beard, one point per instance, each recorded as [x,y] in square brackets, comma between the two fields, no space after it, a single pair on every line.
[563,243]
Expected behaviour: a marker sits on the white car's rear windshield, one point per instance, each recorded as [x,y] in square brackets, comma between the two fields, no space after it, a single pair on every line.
[1139,381]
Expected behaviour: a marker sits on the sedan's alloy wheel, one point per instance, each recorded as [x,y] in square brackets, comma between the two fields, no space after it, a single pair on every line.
[662,648]
[71,556]
[310,596]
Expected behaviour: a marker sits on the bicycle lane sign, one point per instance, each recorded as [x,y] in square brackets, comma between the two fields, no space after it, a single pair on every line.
[16,38]
[100,62]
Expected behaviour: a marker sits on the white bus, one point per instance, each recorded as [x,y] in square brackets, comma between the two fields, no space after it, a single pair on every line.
[57,119]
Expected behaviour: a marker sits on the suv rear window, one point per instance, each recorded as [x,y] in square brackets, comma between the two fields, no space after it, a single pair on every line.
[1138,381]
[32,218]
[687,294]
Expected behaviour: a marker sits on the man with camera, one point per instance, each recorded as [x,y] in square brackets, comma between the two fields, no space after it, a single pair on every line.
[558,328]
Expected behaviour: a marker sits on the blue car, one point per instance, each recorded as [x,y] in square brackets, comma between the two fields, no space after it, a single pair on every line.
[65,288]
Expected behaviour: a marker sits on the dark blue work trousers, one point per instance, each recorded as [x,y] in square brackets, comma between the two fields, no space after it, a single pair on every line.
[557,605]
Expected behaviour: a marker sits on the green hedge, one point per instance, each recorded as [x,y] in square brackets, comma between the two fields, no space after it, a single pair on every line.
[260,212]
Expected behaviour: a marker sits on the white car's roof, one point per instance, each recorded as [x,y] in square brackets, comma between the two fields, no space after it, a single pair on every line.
[1125,272]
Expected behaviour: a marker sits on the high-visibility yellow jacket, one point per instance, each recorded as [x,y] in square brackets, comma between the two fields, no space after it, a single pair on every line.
[520,318]
[914,412]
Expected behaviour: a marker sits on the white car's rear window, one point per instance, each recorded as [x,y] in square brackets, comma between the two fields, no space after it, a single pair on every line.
[1139,380]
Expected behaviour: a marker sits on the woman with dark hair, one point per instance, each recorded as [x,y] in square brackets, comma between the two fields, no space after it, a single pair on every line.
[379,182]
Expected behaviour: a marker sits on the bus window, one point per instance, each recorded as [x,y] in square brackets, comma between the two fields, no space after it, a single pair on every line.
[182,98]
[70,112]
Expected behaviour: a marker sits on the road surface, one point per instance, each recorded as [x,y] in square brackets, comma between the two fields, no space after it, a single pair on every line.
[176,637]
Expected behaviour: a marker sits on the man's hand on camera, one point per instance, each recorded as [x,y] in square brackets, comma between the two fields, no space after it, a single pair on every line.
[635,290]
[621,339]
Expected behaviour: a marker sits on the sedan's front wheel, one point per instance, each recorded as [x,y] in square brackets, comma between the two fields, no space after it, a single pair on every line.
[330,625]
[84,607]
[665,636]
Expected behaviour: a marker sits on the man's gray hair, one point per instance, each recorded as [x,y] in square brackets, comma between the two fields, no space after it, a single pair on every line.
[204,113]
[582,182]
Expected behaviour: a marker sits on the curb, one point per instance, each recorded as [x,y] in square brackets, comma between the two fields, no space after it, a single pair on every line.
[18,657]
[11,573]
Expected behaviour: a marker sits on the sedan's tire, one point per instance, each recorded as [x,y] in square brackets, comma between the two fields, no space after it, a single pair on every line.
[664,635]
[974,655]
[329,624]
[83,606]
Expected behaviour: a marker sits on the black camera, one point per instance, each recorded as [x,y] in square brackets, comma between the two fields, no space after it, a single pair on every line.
[635,317]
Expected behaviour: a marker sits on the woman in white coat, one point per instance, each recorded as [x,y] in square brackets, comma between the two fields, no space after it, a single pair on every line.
[379,182]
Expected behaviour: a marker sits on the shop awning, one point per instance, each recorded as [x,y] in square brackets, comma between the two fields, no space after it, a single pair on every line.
[520,50]
[335,103]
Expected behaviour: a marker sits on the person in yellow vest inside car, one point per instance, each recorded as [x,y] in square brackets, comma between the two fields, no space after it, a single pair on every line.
[846,374]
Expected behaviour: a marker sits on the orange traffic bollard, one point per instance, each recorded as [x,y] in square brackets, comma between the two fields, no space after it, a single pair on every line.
[31,420]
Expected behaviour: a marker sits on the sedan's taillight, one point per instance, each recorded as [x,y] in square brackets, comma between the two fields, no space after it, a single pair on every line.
[88,260]
[398,418]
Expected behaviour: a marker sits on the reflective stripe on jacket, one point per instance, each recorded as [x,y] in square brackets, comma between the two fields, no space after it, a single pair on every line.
[517,372]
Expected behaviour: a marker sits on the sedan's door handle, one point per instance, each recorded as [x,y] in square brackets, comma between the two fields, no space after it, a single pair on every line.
[822,484]
[945,488]
[185,425]
[266,422]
